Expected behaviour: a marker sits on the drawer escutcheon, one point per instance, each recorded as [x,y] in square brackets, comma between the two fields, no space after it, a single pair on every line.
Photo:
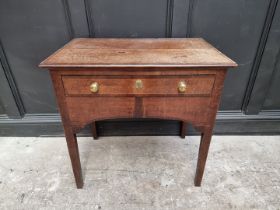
[94,87]
[138,84]
[182,87]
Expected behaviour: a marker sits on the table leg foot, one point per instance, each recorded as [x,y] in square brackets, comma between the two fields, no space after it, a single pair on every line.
[202,156]
[94,131]
[183,129]
[73,150]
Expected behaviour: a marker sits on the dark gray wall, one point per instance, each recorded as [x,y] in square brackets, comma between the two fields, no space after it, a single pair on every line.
[248,31]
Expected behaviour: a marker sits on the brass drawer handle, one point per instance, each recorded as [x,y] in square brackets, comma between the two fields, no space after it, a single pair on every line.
[182,87]
[138,84]
[94,87]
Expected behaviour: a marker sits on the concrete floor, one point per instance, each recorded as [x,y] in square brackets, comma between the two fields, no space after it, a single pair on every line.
[140,173]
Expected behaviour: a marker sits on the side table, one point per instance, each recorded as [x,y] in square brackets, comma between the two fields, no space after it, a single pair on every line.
[97,79]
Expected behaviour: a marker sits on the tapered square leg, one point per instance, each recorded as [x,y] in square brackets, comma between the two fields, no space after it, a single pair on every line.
[202,155]
[183,129]
[94,131]
[73,150]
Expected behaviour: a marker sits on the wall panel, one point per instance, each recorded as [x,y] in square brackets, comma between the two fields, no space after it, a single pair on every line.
[234,27]
[272,100]
[30,30]
[2,110]
[265,94]
[245,30]
[128,18]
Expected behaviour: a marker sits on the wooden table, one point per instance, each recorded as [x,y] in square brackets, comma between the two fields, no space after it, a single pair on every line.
[97,79]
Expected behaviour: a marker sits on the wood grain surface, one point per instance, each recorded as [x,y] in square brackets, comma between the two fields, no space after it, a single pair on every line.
[87,52]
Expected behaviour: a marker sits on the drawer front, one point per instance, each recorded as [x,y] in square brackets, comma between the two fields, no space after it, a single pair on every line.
[194,85]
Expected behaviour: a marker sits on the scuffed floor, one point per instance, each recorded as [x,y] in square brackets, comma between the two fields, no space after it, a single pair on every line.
[140,173]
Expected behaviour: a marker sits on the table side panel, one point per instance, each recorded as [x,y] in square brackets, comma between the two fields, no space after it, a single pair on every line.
[190,109]
[83,110]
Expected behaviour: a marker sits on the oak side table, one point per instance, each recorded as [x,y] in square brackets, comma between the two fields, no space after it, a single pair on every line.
[97,79]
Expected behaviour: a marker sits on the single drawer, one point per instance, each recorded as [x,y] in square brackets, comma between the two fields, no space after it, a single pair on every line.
[191,85]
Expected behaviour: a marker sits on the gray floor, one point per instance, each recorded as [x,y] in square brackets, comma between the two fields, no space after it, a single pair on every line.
[140,173]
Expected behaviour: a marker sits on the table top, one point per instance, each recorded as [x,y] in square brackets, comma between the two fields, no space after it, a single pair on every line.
[151,52]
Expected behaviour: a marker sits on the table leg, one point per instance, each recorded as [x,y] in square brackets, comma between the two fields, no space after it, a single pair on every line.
[73,150]
[94,131]
[183,129]
[202,155]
